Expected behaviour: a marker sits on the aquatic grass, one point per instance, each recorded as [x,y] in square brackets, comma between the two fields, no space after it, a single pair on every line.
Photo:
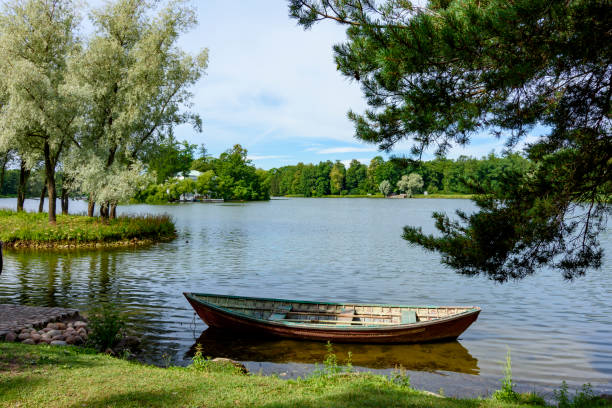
[28,229]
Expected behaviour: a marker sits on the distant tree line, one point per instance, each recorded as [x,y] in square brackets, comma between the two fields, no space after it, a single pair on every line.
[232,176]
[447,176]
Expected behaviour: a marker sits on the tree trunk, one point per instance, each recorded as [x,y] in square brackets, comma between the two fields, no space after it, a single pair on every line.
[91,206]
[64,200]
[50,171]
[2,172]
[41,203]
[113,211]
[104,211]
[24,174]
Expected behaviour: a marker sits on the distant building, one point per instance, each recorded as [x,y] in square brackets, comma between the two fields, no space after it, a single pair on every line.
[193,174]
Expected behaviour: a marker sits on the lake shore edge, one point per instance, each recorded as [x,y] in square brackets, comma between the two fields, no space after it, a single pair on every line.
[436,195]
[44,375]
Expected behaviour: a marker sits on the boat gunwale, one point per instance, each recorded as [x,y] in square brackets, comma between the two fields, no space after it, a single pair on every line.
[349,327]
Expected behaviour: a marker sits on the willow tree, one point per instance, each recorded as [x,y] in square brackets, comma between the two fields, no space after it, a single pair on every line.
[439,73]
[37,39]
[137,83]
[410,183]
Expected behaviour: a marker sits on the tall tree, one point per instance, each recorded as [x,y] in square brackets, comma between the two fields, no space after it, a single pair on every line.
[336,177]
[170,159]
[355,177]
[440,73]
[138,82]
[37,40]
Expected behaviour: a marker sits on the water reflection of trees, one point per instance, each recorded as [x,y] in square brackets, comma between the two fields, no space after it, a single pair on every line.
[57,279]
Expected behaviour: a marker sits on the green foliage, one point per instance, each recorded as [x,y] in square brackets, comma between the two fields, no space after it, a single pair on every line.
[231,177]
[399,377]
[206,183]
[331,367]
[205,364]
[585,398]
[507,393]
[106,324]
[462,175]
[439,73]
[336,178]
[31,229]
[385,187]
[410,183]
[170,158]
[198,361]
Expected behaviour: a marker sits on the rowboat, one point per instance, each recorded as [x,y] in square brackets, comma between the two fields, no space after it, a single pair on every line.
[335,322]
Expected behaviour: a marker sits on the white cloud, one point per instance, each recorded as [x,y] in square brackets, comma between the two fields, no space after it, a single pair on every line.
[266,72]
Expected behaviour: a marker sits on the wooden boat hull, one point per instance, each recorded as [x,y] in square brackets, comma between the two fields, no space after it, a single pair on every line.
[426,331]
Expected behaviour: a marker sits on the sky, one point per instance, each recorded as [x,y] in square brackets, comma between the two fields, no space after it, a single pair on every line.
[273,87]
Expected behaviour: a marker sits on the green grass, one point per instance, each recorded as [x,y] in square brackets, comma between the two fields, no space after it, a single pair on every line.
[25,229]
[48,376]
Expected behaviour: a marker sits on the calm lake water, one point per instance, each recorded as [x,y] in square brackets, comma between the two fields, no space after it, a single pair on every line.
[337,250]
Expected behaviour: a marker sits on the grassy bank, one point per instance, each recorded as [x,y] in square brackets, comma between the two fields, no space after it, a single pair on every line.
[35,376]
[32,230]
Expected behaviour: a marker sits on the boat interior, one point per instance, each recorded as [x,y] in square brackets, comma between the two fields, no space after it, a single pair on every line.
[284,311]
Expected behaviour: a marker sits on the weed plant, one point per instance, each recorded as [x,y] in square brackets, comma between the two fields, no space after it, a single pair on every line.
[331,367]
[201,363]
[507,393]
[585,398]
[106,324]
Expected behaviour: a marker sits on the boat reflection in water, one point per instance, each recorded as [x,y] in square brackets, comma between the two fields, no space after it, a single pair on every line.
[443,356]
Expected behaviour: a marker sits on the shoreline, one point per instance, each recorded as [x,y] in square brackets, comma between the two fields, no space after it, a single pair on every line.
[72,245]
[416,196]
[45,375]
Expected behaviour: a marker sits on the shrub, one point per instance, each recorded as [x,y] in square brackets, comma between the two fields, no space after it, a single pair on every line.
[106,324]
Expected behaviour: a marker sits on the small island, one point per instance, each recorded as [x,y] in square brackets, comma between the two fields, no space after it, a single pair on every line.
[32,230]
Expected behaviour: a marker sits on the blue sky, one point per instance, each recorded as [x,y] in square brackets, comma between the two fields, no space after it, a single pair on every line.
[274,88]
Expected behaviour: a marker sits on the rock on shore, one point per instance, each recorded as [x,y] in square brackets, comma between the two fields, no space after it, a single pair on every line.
[57,333]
